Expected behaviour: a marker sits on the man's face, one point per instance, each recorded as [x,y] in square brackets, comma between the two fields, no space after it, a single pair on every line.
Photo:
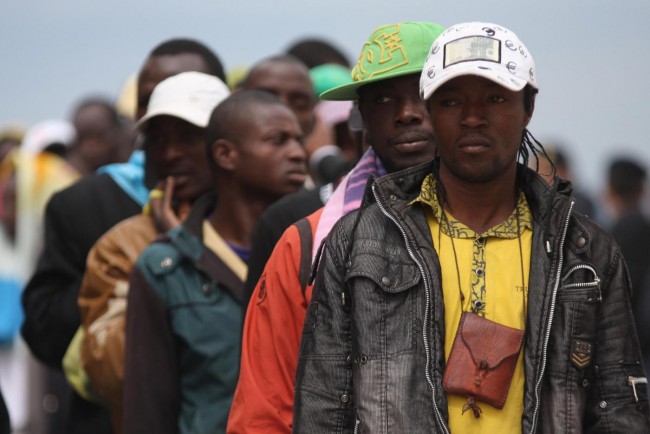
[176,148]
[478,126]
[98,135]
[291,83]
[271,160]
[396,123]
[158,68]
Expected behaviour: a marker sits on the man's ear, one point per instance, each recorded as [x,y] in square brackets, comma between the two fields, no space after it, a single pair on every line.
[224,154]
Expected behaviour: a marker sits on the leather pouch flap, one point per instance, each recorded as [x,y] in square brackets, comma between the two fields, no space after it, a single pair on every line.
[489,342]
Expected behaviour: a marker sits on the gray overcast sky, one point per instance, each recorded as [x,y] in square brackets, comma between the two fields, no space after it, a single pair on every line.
[593,58]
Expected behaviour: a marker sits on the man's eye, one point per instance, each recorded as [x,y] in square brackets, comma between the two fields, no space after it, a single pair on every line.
[301,104]
[383,99]
[448,102]
[153,140]
[278,139]
[496,99]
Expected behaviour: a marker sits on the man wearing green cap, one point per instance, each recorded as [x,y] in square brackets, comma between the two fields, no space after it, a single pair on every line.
[396,126]
[469,296]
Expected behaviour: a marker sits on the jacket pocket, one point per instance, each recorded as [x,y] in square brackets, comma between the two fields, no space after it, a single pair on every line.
[622,383]
[383,285]
[580,283]
[391,274]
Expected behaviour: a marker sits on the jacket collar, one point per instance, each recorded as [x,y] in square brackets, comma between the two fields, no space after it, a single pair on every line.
[203,258]
[542,199]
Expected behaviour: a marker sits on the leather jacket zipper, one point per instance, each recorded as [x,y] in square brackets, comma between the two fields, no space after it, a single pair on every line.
[547,334]
[583,285]
[425,324]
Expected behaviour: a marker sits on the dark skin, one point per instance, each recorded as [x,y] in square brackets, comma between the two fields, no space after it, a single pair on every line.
[265,162]
[290,82]
[176,150]
[98,139]
[479,125]
[396,123]
[155,70]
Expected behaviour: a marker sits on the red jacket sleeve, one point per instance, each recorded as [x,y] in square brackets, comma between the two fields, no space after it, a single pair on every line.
[263,401]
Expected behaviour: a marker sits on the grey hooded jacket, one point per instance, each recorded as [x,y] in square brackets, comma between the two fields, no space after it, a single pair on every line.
[372,352]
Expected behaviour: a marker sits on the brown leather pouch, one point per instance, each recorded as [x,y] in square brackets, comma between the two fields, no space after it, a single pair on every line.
[482,361]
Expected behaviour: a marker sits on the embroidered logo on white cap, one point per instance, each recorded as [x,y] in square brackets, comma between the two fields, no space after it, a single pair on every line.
[482,49]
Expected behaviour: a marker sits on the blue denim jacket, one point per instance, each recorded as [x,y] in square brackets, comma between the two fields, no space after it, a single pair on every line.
[372,352]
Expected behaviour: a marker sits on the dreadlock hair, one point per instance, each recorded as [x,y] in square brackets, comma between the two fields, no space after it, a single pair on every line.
[530,146]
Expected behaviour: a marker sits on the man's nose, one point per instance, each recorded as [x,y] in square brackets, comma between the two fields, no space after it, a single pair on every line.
[411,111]
[473,115]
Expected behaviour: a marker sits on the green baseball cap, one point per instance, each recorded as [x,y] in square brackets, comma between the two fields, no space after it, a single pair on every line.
[391,51]
[328,76]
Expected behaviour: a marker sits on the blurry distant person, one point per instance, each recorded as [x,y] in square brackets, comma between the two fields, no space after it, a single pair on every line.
[99,136]
[328,164]
[184,315]
[315,51]
[27,181]
[51,135]
[173,132]
[584,204]
[11,136]
[626,186]
[287,78]
[77,216]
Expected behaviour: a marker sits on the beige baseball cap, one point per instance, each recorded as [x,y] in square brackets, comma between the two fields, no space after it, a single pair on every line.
[191,96]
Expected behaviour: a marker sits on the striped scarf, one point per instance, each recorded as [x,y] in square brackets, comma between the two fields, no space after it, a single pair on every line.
[348,195]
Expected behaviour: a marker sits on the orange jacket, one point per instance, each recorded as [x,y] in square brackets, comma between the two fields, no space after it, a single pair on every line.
[263,401]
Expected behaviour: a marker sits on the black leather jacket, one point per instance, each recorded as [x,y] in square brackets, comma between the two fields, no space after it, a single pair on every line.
[372,351]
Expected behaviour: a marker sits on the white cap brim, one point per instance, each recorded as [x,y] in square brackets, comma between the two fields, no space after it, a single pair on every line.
[481,69]
[195,117]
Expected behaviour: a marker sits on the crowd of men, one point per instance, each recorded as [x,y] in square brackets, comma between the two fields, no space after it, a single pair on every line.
[381,249]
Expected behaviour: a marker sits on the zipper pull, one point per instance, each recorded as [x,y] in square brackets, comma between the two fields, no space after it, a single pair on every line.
[633,381]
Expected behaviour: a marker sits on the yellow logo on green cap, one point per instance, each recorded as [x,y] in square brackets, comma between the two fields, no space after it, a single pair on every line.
[382,52]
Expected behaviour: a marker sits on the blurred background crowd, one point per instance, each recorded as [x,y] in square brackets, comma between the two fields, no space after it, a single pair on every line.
[69,99]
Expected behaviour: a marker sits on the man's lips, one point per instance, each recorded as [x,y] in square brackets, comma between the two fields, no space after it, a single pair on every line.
[297,176]
[474,144]
[411,142]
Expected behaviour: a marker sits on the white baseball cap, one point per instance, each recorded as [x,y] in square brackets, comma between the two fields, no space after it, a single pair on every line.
[487,50]
[190,96]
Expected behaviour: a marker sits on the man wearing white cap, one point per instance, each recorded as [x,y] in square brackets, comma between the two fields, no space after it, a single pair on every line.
[173,129]
[471,297]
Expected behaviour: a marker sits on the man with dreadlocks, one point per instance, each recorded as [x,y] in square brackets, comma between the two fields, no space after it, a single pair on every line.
[466,295]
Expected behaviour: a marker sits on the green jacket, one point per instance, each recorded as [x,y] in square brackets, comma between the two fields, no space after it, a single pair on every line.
[183,335]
